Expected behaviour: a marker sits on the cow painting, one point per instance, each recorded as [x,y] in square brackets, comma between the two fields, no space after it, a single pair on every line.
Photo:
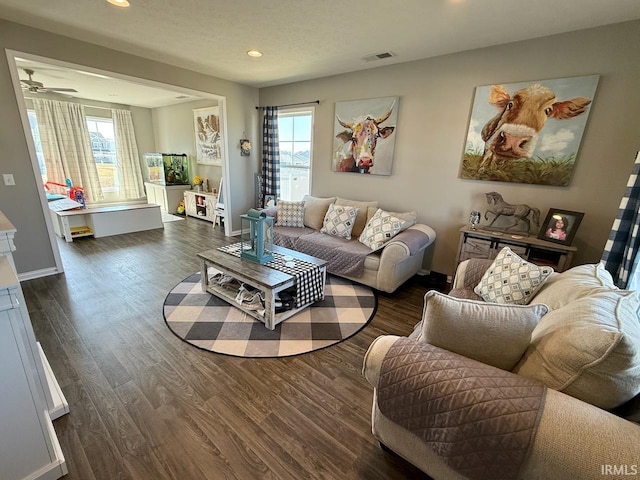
[362,132]
[534,135]
[513,132]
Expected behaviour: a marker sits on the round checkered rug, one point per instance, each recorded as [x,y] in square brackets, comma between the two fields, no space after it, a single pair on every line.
[210,323]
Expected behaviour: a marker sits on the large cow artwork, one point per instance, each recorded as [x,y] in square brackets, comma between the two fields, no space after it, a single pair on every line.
[356,151]
[513,132]
[535,135]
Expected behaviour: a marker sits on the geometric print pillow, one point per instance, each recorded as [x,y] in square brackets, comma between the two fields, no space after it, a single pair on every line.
[381,228]
[510,279]
[290,214]
[339,220]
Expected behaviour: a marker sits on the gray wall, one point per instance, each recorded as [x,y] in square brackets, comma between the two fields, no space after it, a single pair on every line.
[174,133]
[20,203]
[435,103]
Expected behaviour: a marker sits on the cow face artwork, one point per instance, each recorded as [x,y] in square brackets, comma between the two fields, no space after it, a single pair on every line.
[535,135]
[361,144]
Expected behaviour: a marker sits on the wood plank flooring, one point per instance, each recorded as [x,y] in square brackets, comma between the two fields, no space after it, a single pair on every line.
[145,405]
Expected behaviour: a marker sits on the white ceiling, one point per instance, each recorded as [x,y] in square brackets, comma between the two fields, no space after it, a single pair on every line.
[305,39]
[102,88]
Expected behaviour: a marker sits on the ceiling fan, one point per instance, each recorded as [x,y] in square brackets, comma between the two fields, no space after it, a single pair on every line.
[37,87]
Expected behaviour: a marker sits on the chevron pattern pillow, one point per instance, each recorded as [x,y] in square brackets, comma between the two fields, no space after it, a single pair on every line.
[380,229]
[339,221]
[510,279]
[290,214]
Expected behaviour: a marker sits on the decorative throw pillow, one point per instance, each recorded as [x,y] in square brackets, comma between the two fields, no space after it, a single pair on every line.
[495,334]
[589,349]
[407,218]
[381,228]
[361,219]
[315,209]
[510,279]
[339,221]
[290,214]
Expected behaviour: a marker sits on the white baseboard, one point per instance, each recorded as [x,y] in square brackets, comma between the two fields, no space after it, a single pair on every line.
[422,272]
[45,272]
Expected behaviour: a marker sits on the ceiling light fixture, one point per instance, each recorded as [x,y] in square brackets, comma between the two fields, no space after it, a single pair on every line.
[119,3]
[254,53]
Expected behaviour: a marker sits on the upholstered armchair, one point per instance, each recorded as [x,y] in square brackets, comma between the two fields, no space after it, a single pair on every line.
[546,390]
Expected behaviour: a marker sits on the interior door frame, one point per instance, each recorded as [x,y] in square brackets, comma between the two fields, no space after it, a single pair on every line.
[15,78]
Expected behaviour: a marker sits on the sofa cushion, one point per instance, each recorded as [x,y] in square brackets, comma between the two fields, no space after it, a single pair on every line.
[315,208]
[339,220]
[287,237]
[563,288]
[510,279]
[589,349]
[361,219]
[495,334]
[290,214]
[407,218]
[380,229]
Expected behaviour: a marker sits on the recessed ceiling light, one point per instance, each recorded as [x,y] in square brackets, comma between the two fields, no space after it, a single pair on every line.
[119,3]
[254,53]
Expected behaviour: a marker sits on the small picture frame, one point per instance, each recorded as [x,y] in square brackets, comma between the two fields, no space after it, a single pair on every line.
[269,201]
[560,226]
[245,147]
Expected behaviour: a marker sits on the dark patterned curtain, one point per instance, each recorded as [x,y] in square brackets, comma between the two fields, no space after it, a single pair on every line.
[620,255]
[270,153]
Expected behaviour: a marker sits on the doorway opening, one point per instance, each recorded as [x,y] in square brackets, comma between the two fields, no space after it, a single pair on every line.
[150,103]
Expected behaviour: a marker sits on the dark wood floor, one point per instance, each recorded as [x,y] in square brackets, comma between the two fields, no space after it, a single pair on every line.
[145,405]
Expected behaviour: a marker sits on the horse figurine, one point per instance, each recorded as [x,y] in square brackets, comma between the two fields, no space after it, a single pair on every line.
[520,213]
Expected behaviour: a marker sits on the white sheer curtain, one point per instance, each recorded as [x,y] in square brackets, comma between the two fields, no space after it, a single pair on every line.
[128,159]
[66,146]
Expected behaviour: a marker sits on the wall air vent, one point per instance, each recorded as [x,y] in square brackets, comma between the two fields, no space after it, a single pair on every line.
[378,56]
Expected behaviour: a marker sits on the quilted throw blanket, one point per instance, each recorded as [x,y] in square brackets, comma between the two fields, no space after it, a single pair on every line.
[344,257]
[479,419]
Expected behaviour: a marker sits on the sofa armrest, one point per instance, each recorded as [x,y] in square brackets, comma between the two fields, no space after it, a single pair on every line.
[374,356]
[412,240]
[574,439]
[469,272]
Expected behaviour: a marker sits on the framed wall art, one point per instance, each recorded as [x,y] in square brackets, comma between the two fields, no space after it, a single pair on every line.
[364,139]
[528,132]
[208,132]
[560,226]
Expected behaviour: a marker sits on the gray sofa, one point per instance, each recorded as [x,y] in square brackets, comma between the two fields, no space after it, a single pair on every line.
[584,354]
[384,269]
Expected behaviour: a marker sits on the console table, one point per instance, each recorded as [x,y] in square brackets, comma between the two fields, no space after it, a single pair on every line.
[487,244]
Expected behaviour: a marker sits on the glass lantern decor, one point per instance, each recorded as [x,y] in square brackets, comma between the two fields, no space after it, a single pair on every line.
[256,240]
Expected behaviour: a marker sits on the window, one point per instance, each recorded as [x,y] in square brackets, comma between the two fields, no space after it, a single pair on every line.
[35,133]
[295,128]
[103,144]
